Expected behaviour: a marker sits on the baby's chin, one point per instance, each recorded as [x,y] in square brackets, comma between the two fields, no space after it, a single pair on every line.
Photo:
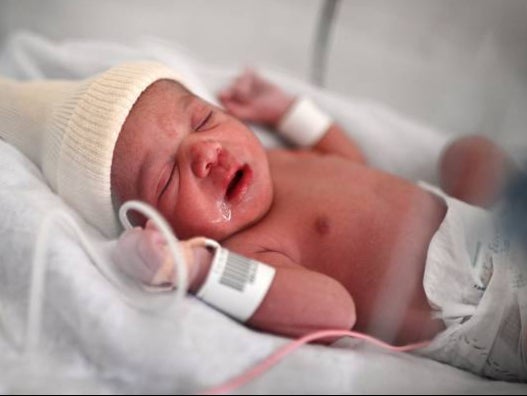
[210,229]
[225,223]
[222,232]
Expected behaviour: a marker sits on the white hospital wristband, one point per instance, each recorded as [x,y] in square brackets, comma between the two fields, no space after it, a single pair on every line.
[235,284]
[304,123]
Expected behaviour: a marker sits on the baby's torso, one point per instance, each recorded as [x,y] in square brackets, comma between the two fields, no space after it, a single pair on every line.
[365,228]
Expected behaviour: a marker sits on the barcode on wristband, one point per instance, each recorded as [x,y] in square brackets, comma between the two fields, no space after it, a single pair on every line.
[239,271]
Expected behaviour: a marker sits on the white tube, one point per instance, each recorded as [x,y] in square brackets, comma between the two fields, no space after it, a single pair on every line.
[162,225]
[38,275]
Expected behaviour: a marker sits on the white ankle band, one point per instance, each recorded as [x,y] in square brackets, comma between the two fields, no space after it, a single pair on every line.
[304,124]
[235,284]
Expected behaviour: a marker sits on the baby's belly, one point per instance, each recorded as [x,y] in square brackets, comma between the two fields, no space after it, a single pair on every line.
[367,229]
[378,252]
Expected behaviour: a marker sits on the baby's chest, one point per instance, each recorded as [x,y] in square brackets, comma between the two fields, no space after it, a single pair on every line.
[317,227]
[328,213]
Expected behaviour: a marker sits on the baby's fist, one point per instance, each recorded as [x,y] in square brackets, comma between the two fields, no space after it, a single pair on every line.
[143,255]
[254,99]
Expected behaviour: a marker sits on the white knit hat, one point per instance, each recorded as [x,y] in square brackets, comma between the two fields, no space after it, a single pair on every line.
[69,129]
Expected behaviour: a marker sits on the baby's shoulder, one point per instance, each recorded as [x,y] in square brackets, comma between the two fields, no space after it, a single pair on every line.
[262,238]
[284,154]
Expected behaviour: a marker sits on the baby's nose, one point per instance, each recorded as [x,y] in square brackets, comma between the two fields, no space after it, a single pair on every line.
[205,155]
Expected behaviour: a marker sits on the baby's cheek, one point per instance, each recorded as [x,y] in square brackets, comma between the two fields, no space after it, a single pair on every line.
[202,214]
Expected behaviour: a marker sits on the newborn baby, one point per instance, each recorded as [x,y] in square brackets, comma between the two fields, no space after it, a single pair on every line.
[311,239]
[351,246]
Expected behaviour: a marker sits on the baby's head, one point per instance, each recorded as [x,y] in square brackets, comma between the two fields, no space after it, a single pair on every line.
[134,132]
[204,170]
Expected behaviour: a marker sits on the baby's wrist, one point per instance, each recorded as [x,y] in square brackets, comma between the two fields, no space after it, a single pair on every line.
[202,262]
[235,285]
[282,105]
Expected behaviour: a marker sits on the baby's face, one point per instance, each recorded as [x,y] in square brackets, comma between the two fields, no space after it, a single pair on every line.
[201,168]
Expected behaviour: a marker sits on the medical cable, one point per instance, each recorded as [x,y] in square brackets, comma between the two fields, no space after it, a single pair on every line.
[287,349]
[180,266]
[34,320]
[38,275]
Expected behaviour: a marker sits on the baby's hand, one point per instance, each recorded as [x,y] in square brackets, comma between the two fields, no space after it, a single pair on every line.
[143,254]
[253,99]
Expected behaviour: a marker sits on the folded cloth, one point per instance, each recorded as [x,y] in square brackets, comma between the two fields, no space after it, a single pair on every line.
[476,279]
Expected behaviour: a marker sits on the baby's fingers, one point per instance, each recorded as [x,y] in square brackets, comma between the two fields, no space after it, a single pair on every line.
[240,110]
[142,255]
[226,94]
[243,87]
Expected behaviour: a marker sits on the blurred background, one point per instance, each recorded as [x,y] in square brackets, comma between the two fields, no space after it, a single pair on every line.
[459,65]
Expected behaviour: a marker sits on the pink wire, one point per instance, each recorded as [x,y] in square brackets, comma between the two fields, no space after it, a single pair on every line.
[260,368]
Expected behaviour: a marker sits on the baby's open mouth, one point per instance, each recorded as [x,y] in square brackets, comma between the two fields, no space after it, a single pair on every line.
[238,184]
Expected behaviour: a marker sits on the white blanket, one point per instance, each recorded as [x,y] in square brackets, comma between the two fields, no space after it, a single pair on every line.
[93,341]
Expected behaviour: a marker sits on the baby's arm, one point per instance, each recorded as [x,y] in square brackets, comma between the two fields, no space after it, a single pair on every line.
[298,301]
[301,301]
[254,99]
[475,170]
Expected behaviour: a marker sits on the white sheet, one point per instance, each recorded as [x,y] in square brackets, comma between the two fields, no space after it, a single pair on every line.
[94,341]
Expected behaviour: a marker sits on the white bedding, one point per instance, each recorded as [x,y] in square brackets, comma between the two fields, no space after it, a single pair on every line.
[94,342]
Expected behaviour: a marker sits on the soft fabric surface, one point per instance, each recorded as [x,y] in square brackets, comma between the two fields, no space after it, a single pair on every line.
[93,341]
